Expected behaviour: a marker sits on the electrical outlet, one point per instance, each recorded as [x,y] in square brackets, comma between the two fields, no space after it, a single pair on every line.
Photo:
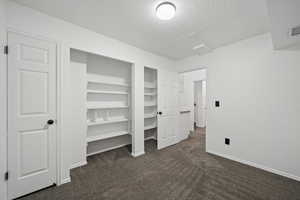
[217,103]
[227,141]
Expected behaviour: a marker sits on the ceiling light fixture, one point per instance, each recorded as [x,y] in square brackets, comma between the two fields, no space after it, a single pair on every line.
[165,10]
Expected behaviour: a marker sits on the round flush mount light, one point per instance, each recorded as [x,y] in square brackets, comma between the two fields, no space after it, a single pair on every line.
[165,10]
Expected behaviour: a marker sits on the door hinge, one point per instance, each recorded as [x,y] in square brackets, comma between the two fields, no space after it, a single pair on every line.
[6,176]
[6,49]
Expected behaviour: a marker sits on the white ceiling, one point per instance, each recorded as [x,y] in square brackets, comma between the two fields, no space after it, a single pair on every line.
[212,22]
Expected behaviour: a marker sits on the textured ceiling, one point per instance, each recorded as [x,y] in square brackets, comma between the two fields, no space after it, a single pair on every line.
[212,22]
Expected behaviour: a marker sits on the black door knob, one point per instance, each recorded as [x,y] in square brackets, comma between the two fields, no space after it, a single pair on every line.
[50,122]
[160,113]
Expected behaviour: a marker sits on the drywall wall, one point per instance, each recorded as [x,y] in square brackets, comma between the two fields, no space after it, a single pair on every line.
[259,93]
[68,36]
[186,97]
[3,107]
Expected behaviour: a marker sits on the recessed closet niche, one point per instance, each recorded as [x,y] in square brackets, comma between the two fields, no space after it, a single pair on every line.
[150,98]
[108,103]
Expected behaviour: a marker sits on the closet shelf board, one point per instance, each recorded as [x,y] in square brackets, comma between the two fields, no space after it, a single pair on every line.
[106,136]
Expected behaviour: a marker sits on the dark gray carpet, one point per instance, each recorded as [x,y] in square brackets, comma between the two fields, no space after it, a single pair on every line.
[181,172]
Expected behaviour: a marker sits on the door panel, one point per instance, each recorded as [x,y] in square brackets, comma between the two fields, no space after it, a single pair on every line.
[36,104]
[39,151]
[168,105]
[31,103]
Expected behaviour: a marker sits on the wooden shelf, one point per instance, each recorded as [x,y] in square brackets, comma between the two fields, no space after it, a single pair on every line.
[147,116]
[107,92]
[106,136]
[99,80]
[150,127]
[110,121]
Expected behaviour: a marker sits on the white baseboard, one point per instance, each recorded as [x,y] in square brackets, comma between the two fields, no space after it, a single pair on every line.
[78,164]
[66,180]
[137,154]
[268,169]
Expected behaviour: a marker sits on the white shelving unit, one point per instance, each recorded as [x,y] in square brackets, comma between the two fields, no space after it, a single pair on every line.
[108,91]
[150,110]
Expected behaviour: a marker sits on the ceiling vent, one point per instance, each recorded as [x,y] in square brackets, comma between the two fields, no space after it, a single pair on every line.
[295,31]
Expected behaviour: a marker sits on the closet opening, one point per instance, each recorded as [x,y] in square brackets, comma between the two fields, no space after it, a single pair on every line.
[150,109]
[101,103]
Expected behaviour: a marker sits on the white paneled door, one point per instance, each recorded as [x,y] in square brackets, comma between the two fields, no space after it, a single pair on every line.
[31,114]
[168,112]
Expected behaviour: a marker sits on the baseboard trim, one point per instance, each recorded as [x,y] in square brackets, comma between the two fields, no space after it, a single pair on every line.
[66,180]
[268,169]
[137,154]
[78,164]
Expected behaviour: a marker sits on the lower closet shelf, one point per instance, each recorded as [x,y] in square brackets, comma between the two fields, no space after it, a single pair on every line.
[150,127]
[106,136]
[150,138]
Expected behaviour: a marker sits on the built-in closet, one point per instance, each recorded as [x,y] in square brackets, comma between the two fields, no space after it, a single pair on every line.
[105,113]
[107,94]
[150,97]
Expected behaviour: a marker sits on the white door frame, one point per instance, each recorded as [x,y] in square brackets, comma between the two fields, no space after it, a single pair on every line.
[3,92]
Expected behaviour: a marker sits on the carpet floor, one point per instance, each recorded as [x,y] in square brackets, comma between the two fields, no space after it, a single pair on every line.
[181,172]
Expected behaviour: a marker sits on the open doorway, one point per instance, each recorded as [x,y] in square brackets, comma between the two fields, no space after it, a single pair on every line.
[200,107]
[192,99]
[200,104]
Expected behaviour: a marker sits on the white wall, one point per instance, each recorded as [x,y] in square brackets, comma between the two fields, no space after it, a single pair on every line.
[186,98]
[71,36]
[259,93]
[3,106]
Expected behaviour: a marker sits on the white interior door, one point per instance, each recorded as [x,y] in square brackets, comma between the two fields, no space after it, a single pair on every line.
[31,107]
[167,108]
